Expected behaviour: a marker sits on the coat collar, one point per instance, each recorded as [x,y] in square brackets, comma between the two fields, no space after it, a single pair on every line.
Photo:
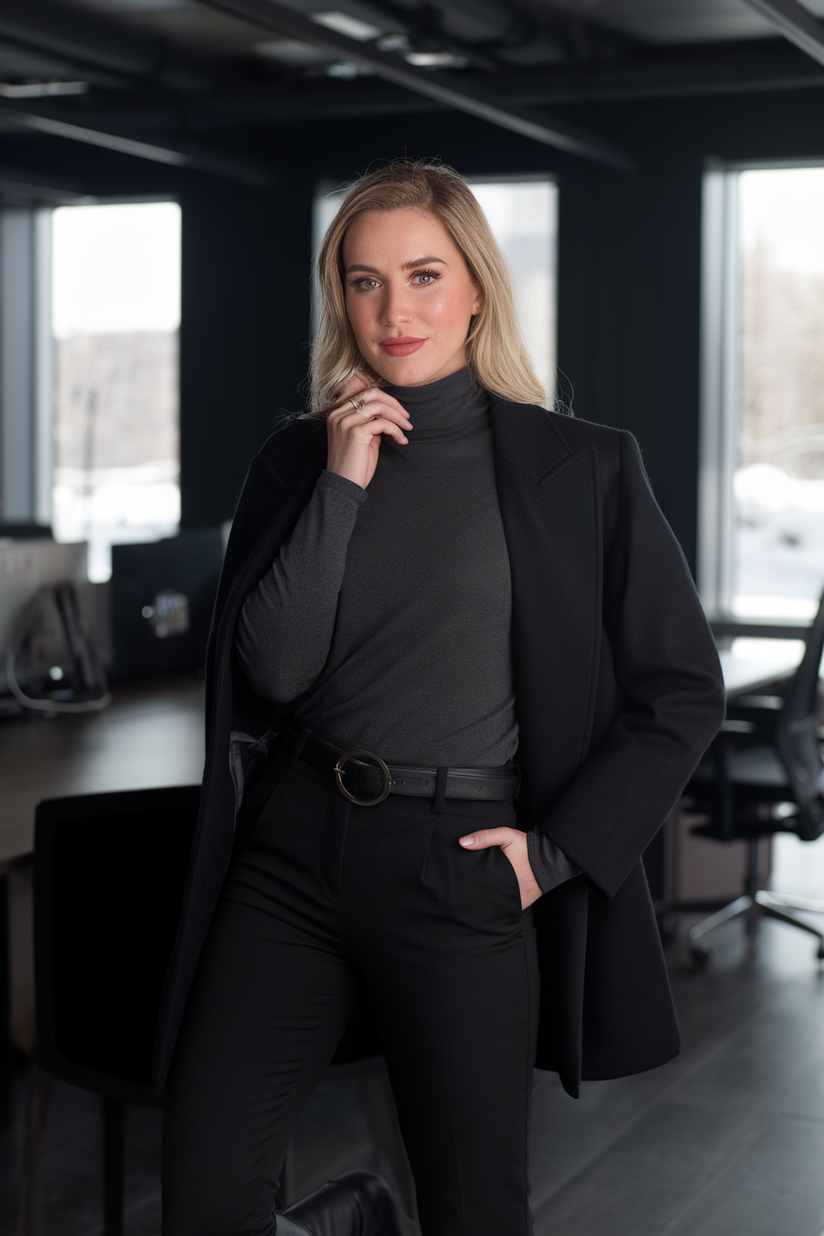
[528,437]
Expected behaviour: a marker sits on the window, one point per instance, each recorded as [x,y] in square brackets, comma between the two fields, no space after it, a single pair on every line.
[115,319]
[523,217]
[762,500]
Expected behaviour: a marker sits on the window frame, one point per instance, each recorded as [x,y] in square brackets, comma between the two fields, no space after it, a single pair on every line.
[720,363]
[46,409]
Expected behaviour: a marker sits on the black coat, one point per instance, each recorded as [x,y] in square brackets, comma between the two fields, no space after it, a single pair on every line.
[618,692]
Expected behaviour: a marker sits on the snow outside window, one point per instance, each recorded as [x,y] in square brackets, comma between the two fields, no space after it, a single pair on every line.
[115,320]
[762,542]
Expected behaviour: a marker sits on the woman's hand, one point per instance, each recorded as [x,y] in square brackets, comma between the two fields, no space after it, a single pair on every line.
[354,434]
[513,844]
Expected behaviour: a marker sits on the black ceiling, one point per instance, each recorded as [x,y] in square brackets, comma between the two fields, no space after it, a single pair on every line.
[180,77]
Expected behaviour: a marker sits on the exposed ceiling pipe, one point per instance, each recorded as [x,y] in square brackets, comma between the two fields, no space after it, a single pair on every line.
[195,160]
[796,24]
[483,19]
[286,22]
[684,75]
[85,40]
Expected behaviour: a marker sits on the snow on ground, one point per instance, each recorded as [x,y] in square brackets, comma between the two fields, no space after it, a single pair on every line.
[778,567]
[115,506]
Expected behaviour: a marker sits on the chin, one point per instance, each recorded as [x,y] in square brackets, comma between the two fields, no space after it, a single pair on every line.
[409,371]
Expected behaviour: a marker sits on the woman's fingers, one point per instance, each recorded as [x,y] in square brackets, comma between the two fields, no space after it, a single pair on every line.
[355,420]
[370,402]
[488,836]
[353,433]
[376,425]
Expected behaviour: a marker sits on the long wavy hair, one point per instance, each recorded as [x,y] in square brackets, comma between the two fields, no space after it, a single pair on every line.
[495,350]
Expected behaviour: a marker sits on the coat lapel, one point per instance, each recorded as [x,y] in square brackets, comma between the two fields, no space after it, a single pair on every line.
[549,498]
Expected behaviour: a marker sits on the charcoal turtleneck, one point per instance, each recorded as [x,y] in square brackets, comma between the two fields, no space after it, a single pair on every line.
[385,619]
[445,410]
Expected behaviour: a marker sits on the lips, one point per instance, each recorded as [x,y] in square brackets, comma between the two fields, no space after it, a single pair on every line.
[403,345]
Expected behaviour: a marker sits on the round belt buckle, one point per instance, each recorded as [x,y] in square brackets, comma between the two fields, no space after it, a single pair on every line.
[340,773]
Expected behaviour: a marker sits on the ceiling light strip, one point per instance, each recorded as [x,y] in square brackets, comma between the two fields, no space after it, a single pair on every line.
[284,21]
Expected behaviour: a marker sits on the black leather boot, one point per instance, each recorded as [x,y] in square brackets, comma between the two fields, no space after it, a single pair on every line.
[356,1204]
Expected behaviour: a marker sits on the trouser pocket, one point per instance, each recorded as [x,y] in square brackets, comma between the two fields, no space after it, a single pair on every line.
[471,892]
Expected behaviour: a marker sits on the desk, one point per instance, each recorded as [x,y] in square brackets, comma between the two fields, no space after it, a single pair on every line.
[150,735]
[746,674]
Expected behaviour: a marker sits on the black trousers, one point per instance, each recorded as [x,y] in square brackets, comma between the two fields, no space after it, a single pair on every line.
[322,900]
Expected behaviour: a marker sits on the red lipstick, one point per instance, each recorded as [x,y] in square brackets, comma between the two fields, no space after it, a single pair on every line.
[404,345]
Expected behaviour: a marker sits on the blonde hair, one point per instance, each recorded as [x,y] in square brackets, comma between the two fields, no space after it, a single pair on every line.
[495,351]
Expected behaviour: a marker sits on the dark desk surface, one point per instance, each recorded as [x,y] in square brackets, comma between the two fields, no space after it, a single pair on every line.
[150,735]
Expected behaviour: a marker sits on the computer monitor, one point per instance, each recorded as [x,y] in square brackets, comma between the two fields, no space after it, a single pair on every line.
[162,596]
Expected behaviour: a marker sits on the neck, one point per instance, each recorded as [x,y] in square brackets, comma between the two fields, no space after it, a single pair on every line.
[452,403]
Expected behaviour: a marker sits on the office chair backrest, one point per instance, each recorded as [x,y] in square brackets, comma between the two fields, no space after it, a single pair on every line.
[796,735]
[109,874]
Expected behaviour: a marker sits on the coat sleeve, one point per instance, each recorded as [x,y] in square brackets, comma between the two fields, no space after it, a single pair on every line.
[671,693]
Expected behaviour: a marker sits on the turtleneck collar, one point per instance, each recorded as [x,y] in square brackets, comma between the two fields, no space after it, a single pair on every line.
[448,407]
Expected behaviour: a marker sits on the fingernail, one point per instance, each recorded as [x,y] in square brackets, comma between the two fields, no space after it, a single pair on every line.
[467,840]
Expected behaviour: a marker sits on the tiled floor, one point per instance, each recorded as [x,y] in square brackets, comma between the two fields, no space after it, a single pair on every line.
[728,1140]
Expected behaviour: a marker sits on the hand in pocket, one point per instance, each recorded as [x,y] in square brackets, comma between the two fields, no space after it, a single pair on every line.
[513,844]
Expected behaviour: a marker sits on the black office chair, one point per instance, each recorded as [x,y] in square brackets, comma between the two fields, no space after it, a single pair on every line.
[109,875]
[762,775]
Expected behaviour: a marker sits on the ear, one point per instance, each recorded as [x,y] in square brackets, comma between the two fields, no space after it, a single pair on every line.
[478,302]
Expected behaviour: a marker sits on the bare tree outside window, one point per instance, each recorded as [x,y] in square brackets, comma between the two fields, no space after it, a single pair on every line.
[778,484]
[523,217]
[116,314]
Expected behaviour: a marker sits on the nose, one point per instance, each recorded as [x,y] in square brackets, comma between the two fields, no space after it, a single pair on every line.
[395,308]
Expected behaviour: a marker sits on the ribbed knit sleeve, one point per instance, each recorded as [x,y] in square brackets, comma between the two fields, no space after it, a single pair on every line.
[549,864]
[286,625]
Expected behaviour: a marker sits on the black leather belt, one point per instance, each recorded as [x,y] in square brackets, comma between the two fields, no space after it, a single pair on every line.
[365,779]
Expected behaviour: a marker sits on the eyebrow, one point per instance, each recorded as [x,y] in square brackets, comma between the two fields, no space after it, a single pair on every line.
[421,261]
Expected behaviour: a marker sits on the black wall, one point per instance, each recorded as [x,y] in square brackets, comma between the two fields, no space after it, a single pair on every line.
[629,288]
[245,326]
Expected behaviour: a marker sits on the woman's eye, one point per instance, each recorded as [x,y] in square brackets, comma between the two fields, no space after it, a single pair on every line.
[426,277]
[365,284]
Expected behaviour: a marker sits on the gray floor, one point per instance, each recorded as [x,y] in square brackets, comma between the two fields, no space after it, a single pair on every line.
[728,1140]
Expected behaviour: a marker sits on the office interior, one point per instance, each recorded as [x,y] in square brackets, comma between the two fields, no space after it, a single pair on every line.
[245,113]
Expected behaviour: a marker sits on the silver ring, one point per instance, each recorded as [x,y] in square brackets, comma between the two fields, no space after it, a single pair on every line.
[356,404]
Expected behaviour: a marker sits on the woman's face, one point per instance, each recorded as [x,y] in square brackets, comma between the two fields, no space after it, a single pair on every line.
[409,295]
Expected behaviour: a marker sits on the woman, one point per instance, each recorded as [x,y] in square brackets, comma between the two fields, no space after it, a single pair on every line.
[435,573]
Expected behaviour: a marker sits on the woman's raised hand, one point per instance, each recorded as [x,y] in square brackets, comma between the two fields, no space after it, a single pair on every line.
[361,413]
